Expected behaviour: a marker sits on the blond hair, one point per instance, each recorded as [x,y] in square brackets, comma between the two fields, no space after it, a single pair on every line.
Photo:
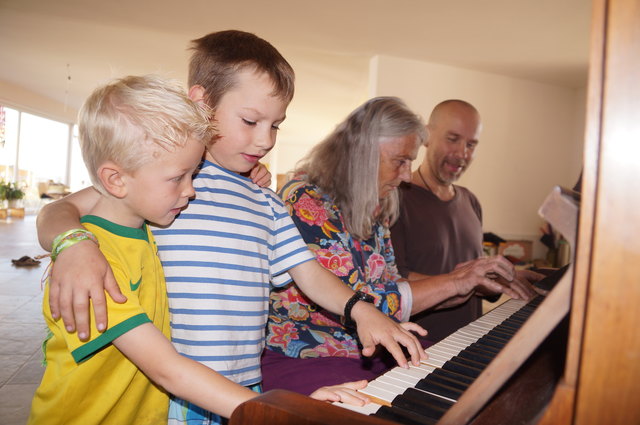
[345,164]
[124,120]
[219,57]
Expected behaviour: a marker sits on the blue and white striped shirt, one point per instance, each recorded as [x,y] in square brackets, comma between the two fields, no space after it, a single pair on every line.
[220,256]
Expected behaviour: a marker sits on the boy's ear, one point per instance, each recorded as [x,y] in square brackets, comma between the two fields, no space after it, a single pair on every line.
[111,176]
[196,93]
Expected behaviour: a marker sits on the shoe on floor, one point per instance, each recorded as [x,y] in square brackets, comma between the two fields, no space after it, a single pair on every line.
[25,261]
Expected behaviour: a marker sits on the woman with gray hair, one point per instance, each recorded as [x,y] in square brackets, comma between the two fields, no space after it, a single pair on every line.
[343,198]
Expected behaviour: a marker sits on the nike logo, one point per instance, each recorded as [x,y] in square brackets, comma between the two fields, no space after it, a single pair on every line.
[134,286]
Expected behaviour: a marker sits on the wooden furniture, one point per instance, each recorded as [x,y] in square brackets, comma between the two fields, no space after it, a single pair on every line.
[600,374]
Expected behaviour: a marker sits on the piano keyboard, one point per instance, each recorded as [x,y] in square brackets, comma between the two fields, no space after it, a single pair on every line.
[422,394]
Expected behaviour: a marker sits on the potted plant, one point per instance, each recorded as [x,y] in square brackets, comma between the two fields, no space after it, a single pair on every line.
[11,192]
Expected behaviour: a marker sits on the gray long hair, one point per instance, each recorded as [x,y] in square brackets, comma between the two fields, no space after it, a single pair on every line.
[345,164]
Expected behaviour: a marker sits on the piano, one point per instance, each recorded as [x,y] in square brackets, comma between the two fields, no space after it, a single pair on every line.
[578,362]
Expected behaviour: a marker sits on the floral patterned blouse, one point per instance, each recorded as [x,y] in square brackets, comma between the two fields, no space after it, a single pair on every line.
[299,328]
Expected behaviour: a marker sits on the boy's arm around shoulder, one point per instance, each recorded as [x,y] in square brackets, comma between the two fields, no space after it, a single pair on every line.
[80,273]
[64,214]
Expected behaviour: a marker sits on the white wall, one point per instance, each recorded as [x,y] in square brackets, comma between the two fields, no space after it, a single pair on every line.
[532,137]
[28,101]
[328,88]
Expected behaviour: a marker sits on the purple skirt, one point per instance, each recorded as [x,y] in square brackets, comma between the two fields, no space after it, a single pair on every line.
[304,376]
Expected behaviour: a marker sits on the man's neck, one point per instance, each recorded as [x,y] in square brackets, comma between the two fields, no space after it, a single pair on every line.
[425,179]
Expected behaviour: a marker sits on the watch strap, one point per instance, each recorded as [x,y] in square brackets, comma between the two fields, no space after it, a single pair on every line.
[358,296]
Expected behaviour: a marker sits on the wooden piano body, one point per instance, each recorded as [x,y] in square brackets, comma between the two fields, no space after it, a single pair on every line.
[591,361]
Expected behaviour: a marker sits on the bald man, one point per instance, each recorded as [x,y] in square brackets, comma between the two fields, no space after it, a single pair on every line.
[440,224]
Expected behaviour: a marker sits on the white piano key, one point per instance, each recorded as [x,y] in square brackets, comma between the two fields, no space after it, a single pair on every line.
[407,375]
[461,337]
[455,348]
[367,409]
[436,359]
[471,333]
[442,349]
[406,378]
[374,389]
[394,382]
[460,341]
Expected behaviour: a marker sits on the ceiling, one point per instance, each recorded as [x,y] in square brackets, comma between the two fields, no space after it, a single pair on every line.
[61,49]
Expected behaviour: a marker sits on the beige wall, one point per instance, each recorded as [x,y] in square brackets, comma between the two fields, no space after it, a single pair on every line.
[532,136]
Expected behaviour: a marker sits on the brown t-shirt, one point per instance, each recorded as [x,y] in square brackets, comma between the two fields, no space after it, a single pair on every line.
[433,236]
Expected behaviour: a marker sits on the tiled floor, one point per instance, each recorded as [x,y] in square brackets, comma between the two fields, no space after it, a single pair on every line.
[22,328]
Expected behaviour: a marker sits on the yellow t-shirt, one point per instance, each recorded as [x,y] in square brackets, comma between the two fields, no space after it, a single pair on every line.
[92,382]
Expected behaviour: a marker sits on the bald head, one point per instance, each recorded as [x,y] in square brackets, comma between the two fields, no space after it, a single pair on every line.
[453,107]
[454,131]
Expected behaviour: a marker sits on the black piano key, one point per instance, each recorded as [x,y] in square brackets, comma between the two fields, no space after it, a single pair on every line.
[462,368]
[403,416]
[498,333]
[520,316]
[475,356]
[440,388]
[506,327]
[468,362]
[489,349]
[491,343]
[453,376]
[445,380]
[501,341]
[422,403]
[431,400]
[481,350]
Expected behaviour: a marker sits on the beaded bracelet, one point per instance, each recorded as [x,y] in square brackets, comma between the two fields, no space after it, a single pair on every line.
[69,238]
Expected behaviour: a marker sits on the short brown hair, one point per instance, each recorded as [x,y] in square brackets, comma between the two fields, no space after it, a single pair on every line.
[218,57]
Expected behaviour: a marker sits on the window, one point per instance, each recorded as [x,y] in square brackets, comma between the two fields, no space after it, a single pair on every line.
[35,151]
[42,150]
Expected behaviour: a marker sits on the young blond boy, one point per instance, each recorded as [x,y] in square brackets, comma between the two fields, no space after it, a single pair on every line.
[234,239]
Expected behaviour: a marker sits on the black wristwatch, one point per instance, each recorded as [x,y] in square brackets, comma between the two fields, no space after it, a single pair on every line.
[358,296]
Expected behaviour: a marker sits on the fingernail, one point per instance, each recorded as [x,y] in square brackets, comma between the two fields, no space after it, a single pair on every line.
[82,335]
[69,328]
[101,327]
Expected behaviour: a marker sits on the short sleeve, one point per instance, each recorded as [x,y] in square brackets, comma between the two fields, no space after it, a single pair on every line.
[121,318]
[288,247]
